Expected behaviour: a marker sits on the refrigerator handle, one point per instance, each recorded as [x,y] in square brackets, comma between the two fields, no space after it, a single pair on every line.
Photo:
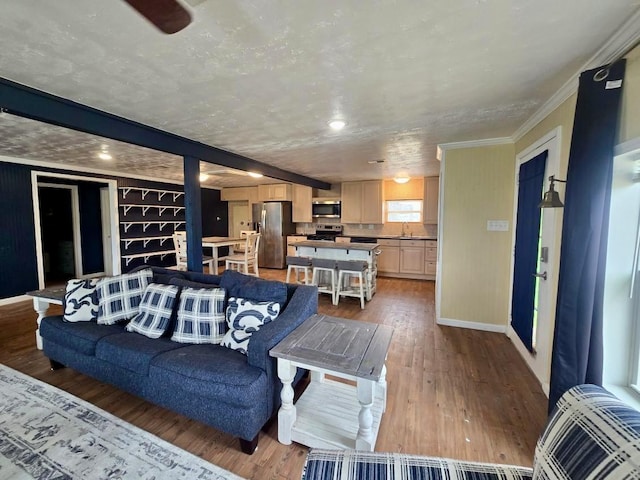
[263,219]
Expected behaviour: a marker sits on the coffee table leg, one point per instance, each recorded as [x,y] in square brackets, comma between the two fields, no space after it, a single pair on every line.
[40,306]
[366,393]
[287,412]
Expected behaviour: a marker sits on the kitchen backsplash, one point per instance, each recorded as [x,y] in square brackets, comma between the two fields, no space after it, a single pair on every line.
[415,229]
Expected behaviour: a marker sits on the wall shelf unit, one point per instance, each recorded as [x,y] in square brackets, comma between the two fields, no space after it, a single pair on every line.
[148,218]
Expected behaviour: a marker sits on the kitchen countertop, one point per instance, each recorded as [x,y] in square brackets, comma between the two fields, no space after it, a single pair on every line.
[336,245]
[386,237]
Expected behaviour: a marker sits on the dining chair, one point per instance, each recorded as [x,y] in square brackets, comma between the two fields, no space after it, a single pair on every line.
[246,262]
[240,247]
[180,246]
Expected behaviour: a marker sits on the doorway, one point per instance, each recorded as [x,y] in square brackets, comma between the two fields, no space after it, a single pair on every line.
[544,246]
[60,230]
[95,223]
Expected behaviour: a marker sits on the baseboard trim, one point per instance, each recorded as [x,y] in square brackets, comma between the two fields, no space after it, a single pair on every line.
[10,300]
[487,327]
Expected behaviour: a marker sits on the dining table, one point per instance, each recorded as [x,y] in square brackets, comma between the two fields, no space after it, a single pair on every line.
[214,243]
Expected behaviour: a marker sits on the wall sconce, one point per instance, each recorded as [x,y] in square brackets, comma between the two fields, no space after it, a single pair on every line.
[551,199]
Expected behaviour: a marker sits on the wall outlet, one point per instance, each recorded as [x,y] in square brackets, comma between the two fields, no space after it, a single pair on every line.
[497,225]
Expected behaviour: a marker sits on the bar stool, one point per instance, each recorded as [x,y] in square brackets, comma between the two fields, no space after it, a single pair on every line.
[299,265]
[321,265]
[347,270]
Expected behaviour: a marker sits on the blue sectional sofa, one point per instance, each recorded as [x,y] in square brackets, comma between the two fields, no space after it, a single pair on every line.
[213,384]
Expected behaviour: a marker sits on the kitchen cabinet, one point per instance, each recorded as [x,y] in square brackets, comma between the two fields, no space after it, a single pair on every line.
[431,195]
[275,191]
[389,258]
[412,190]
[239,194]
[302,199]
[291,251]
[431,258]
[362,202]
[412,257]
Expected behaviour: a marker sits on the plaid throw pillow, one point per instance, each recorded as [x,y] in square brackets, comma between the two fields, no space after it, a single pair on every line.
[155,311]
[119,297]
[81,301]
[244,318]
[200,316]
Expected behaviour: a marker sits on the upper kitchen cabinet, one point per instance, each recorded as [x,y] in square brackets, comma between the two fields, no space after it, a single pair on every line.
[302,200]
[275,191]
[239,194]
[431,194]
[362,202]
[412,190]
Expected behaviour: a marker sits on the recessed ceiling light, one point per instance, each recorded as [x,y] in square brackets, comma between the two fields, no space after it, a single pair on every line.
[337,124]
[401,179]
[204,177]
[254,174]
[104,156]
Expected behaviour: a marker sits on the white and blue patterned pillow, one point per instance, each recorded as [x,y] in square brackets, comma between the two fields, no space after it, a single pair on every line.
[119,297]
[155,311]
[81,301]
[200,316]
[244,318]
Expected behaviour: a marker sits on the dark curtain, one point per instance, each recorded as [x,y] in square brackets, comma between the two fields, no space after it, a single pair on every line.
[577,342]
[530,185]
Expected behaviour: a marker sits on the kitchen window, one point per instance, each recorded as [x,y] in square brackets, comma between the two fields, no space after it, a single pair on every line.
[399,211]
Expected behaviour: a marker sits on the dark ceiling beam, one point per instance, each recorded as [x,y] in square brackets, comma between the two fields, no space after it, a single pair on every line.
[30,103]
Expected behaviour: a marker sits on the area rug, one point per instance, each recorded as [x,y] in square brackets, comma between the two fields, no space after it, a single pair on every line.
[46,433]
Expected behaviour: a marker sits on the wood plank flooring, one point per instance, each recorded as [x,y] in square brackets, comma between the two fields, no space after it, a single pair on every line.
[452,392]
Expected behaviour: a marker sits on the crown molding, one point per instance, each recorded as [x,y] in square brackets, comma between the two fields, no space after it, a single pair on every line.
[96,171]
[618,44]
[486,142]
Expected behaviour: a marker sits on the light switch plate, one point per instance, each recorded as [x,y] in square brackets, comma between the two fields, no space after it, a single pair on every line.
[497,225]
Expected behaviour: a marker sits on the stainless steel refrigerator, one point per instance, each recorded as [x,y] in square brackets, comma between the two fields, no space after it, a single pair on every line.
[273,221]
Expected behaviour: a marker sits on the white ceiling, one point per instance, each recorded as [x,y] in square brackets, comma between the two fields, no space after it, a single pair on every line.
[263,78]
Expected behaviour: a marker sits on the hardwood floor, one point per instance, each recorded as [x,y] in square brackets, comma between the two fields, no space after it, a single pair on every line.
[452,392]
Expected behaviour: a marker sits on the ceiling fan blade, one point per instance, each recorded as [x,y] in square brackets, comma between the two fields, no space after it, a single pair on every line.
[167,15]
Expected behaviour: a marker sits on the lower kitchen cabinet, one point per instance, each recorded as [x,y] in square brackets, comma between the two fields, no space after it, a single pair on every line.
[408,258]
[389,258]
[412,257]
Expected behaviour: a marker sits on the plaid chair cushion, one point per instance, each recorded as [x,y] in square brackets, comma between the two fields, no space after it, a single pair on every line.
[200,316]
[357,465]
[155,311]
[245,317]
[119,297]
[81,301]
[591,434]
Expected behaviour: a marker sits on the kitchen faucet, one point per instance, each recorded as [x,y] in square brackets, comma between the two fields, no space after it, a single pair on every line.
[403,232]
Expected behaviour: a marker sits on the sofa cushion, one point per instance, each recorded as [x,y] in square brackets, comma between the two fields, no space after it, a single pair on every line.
[119,297]
[133,351]
[590,434]
[81,300]
[210,371]
[156,308]
[183,282]
[245,317]
[200,316]
[80,337]
[246,286]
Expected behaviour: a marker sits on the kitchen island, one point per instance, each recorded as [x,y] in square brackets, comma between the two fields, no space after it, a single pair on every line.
[367,252]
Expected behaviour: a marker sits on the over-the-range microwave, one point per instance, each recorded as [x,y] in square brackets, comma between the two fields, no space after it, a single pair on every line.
[325,209]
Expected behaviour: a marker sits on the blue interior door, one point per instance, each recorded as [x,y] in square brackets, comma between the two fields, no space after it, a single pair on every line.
[526,255]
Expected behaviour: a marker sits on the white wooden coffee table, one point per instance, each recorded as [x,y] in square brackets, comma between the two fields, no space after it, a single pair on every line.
[41,301]
[331,413]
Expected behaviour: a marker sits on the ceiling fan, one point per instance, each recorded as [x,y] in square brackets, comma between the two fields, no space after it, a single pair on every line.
[169,16]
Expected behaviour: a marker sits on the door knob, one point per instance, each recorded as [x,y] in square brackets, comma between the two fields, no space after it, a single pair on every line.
[542,275]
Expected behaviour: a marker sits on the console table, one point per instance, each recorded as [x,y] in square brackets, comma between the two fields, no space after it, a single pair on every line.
[41,301]
[330,413]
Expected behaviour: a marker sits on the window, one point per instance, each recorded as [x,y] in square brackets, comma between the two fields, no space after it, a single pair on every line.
[404,211]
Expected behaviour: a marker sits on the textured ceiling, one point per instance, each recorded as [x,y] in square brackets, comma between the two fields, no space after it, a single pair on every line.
[263,78]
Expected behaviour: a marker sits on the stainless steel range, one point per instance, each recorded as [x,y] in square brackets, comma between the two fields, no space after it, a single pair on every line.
[326,231]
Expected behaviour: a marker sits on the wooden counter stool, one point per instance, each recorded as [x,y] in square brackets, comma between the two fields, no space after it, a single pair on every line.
[322,265]
[299,265]
[348,270]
